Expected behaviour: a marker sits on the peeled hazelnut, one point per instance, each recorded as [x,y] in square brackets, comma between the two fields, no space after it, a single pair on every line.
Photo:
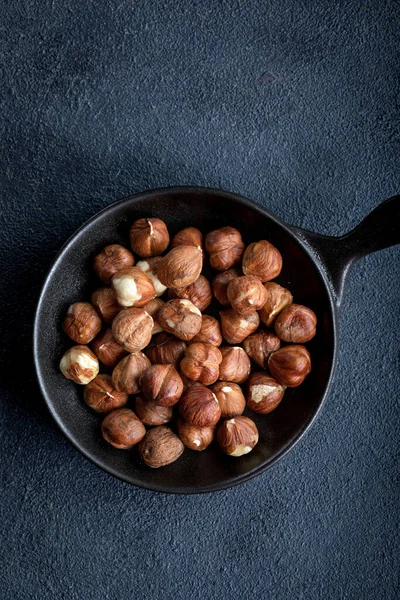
[127,373]
[166,349]
[105,302]
[180,317]
[235,328]
[122,429]
[290,365]
[79,364]
[262,260]
[259,346]
[151,413]
[190,236]
[230,398]
[263,393]
[194,437]
[278,298]
[152,308]
[225,247]
[201,363]
[149,267]
[246,294]
[149,237]
[132,328]
[296,323]
[161,384]
[101,396]
[199,406]
[237,436]
[82,322]
[199,293]
[132,287]
[160,447]
[210,332]
[235,365]
[111,259]
[107,349]
[180,267]
[220,284]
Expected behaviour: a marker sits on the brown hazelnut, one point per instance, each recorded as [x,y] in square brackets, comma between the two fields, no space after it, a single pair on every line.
[132,328]
[199,293]
[262,260]
[152,308]
[151,413]
[246,294]
[161,384]
[105,302]
[290,365]
[235,365]
[225,247]
[111,259]
[296,323]
[82,322]
[199,406]
[180,317]
[190,236]
[180,267]
[166,349]
[160,447]
[259,346]
[122,429]
[237,436]
[194,437]
[210,332]
[201,363]
[149,267]
[132,287]
[220,284]
[235,328]
[101,396]
[149,237]
[263,393]
[278,298]
[230,398]
[79,364]
[107,349]
[127,373]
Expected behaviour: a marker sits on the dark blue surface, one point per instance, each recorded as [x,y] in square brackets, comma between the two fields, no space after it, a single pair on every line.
[293,104]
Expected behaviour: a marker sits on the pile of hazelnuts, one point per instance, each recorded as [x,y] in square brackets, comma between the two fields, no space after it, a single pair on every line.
[176,363]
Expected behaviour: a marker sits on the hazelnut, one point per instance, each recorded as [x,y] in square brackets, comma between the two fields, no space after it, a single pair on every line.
[230,398]
[190,236]
[194,437]
[259,346]
[151,413]
[263,393]
[79,364]
[152,308]
[235,328]
[111,259]
[220,284]
[161,384]
[290,365]
[105,302]
[225,247]
[107,349]
[278,298]
[82,322]
[132,287]
[166,349]
[180,267]
[149,237]
[149,267]
[199,293]
[296,323]
[127,373]
[262,260]
[160,447]
[210,332]
[101,396]
[122,429]
[199,406]
[235,365]
[246,294]
[237,436]
[201,363]
[132,328]
[180,317]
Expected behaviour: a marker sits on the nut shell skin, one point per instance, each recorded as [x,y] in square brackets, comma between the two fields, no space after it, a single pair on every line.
[165,349]
[230,397]
[79,364]
[153,308]
[132,287]
[263,393]
[122,429]
[201,363]
[296,324]
[237,436]
[149,266]
[210,332]
[161,384]
[220,284]
[180,317]
[236,328]
[101,396]
[189,236]
[152,414]
[290,365]
[246,294]
[225,247]
[111,259]
[105,302]
[199,293]
[199,406]
[127,373]
[82,322]
[133,328]
[278,298]
[262,260]
[195,438]
[107,349]
[235,365]
[180,267]
[149,237]
[259,346]
[160,447]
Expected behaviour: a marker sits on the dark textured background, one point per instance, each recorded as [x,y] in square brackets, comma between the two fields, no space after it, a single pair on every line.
[294,104]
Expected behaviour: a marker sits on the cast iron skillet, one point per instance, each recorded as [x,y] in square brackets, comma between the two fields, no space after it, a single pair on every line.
[314,268]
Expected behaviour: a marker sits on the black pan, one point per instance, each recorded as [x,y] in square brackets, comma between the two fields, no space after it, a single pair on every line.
[314,268]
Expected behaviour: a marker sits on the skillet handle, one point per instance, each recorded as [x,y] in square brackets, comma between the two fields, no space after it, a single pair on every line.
[379,230]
